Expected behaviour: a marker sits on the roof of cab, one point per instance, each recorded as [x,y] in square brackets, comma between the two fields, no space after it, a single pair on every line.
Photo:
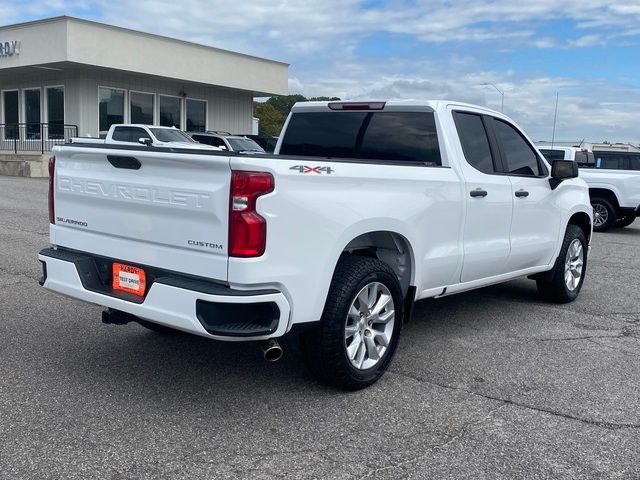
[393,105]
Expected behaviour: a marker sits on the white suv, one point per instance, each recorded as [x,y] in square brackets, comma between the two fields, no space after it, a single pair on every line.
[613,179]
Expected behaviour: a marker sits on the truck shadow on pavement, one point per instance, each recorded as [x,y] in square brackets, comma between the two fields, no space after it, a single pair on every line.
[153,367]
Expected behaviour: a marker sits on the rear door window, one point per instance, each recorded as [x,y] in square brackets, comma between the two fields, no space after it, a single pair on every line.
[634,162]
[387,136]
[519,157]
[475,142]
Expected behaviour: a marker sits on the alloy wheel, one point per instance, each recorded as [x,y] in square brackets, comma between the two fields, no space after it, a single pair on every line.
[573,264]
[369,325]
[600,215]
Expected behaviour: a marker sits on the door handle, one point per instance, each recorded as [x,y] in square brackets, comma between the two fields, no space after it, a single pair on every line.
[478,192]
[522,193]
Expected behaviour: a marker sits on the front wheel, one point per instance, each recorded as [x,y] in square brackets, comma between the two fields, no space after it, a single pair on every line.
[360,326]
[625,221]
[567,276]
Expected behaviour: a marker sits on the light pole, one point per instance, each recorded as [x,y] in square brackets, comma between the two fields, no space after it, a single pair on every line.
[499,91]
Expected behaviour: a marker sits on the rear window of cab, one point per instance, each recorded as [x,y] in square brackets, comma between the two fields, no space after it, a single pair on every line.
[403,137]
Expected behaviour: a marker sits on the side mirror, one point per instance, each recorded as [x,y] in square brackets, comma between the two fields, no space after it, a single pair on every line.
[145,141]
[562,170]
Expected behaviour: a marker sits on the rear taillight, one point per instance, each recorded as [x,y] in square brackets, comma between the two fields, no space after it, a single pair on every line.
[52,171]
[247,229]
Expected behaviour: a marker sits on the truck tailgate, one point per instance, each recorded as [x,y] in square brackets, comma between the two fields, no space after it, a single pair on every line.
[163,209]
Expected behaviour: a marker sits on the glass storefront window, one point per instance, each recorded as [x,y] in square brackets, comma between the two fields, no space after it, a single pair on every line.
[32,112]
[55,112]
[10,101]
[141,107]
[196,115]
[170,111]
[110,107]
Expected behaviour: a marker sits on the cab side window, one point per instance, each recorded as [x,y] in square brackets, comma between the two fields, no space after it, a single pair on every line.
[475,142]
[129,134]
[519,157]
[136,133]
[121,134]
[609,161]
[217,142]
[202,139]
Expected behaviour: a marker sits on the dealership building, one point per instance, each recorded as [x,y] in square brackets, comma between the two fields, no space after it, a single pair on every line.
[63,77]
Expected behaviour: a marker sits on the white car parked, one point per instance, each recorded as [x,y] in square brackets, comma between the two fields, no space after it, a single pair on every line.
[148,135]
[365,208]
[225,141]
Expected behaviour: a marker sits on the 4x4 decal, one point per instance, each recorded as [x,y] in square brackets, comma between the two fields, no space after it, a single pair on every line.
[307,169]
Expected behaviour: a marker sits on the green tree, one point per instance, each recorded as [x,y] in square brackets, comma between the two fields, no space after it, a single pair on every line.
[274,112]
[283,103]
[271,120]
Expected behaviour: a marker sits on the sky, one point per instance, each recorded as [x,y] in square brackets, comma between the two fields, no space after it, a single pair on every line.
[586,51]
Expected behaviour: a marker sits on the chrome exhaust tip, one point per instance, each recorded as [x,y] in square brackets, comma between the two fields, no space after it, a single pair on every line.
[271,350]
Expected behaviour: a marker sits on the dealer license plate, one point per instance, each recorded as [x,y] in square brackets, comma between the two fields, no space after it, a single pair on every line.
[129,279]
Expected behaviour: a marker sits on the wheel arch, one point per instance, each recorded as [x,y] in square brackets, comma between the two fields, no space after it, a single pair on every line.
[390,247]
[606,193]
[583,221]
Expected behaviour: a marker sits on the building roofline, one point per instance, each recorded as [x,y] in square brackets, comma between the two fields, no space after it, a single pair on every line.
[68,18]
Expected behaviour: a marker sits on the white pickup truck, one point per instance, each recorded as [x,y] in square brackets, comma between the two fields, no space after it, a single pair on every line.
[365,208]
[148,135]
[613,179]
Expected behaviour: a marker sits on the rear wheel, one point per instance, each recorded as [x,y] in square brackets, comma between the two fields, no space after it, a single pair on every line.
[625,221]
[360,326]
[567,276]
[604,214]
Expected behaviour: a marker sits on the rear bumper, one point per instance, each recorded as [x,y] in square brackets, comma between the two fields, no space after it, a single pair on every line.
[191,305]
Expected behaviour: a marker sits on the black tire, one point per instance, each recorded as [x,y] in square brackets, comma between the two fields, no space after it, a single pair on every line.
[553,286]
[625,221]
[156,327]
[324,348]
[612,214]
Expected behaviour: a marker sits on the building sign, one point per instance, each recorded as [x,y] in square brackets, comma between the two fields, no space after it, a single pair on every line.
[8,49]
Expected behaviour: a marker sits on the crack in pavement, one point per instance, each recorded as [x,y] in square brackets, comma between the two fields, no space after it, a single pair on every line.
[621,243]
[439,446]
[625,332]
[20,230]
[566,309]
[595,423]
[17,282]
[569,339]
[11,274]
[624,352]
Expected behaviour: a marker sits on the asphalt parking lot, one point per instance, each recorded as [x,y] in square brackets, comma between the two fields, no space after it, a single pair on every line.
[489,384]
